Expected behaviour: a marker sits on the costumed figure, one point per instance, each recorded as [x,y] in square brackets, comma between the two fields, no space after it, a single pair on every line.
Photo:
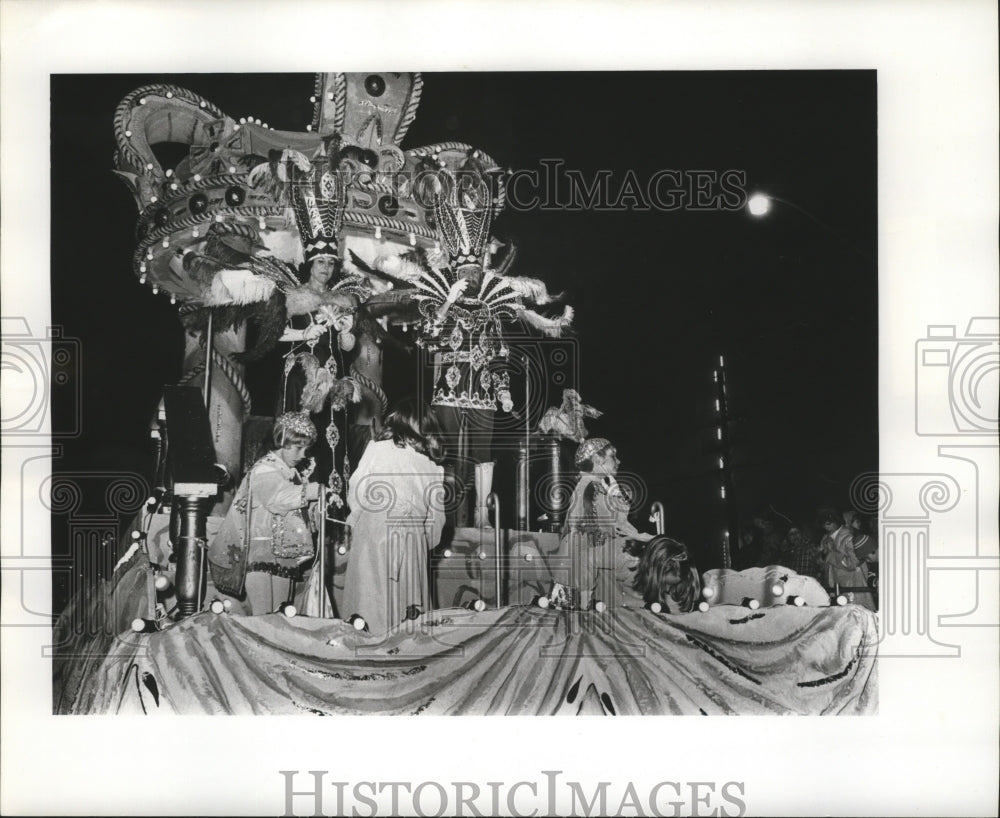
[665,575]
[322,312]
[397,515]
[464,305]
[841,563]
[597,528]
[265,543]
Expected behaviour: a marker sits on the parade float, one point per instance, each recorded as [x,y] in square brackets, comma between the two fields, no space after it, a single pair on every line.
[224,234]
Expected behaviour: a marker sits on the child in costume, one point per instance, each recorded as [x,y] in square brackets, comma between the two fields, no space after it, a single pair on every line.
[665,575]
[396,496]
[597,528]
[266,541]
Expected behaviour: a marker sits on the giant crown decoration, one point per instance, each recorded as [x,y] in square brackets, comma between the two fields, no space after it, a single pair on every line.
[389,200]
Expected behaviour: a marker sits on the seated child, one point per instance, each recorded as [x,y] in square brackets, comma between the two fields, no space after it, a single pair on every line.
[665,575]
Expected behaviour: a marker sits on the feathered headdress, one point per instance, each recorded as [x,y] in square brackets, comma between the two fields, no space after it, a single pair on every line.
[319,198]
[464,207]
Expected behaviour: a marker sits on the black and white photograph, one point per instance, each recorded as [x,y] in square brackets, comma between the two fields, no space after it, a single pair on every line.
[571,388]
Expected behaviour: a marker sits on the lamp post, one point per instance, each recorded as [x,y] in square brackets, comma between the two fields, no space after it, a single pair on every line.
[723,420]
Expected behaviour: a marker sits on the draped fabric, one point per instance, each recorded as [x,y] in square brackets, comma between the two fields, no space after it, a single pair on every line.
[516,660]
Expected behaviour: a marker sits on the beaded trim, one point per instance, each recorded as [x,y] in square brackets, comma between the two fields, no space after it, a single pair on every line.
[296,573]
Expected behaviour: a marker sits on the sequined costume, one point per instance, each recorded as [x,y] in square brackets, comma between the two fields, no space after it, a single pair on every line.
[280,537]
[600,567]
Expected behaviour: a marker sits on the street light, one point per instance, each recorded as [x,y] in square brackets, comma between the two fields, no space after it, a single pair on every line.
[758,204]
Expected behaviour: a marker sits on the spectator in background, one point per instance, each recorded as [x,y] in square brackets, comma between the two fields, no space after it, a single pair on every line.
[801,554]
[750,549]
[865,542]
[843,570]
[770,540]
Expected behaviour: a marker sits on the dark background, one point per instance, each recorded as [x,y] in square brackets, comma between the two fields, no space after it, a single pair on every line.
[789,299]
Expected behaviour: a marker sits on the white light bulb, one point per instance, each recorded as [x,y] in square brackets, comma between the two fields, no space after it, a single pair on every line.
[758,204]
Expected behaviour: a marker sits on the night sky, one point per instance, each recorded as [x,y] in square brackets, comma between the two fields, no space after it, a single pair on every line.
[790,299]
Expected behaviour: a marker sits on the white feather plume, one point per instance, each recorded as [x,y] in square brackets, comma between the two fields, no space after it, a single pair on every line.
[238,287]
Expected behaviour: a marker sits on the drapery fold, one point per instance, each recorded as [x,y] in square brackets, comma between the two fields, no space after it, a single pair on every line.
[517,660]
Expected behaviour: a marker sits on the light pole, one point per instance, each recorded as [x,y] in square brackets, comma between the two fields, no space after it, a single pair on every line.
[724,444]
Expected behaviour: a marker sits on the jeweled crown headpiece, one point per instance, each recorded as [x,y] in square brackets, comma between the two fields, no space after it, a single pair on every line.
[298,423]
[590,447]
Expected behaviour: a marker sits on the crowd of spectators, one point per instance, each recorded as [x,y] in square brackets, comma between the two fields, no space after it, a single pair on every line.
[838,549]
